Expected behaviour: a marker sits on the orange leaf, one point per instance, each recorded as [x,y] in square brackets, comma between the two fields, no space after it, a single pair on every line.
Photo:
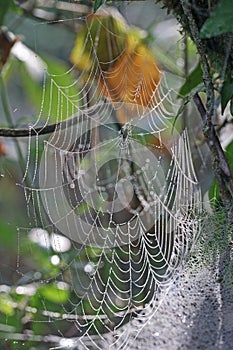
[133,78]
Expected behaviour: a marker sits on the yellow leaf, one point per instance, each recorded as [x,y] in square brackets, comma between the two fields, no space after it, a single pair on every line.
[113,53]
[101,41]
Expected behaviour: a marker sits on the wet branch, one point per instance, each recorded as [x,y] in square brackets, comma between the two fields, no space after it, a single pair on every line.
[13,132]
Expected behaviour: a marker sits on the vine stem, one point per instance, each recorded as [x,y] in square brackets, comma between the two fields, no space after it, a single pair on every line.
[220,164]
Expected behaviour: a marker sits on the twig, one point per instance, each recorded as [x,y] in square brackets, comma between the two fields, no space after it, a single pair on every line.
[11,132]
[41,10]
[42,130]
[28,336]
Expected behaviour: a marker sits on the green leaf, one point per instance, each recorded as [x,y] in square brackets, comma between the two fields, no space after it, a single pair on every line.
[63,86]
[187,99]
[226,93]
[229,152]
[7,5]
[192,81]
[182,107]
[97,4]
[214,193]
[220,20]
[231,106]
[8,235]
[7,305]
[54,294]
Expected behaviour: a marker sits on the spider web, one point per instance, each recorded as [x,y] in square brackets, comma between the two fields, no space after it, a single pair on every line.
[116,180]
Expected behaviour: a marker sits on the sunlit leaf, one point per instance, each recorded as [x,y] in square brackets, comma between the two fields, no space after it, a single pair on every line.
[54,294]
[6,305]
[220,20]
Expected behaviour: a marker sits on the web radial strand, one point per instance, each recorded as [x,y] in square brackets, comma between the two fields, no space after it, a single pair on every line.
[117,181]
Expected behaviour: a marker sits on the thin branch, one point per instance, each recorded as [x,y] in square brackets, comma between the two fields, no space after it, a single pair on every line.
[41,10]
[64,6]
[48,129]
[28,336]
[42,130]
[200,106]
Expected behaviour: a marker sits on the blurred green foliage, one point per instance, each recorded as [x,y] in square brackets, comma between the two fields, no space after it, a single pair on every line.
[59,85]
[220,20]
[7,5]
